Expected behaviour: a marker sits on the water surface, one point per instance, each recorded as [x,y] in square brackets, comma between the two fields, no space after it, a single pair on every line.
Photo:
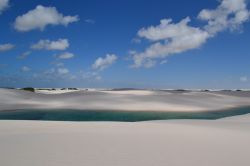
[125,116]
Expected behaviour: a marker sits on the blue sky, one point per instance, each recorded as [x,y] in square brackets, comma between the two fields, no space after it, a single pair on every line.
[120,43]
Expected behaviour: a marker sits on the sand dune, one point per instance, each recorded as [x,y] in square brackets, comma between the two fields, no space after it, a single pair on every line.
[222,142]
[129,100]
[56,91]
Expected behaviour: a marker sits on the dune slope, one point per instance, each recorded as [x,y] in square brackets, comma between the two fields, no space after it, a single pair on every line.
[129,100]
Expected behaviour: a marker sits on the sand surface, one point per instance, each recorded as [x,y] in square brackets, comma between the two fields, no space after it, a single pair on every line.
[222,142]
[129,100]
[56,91]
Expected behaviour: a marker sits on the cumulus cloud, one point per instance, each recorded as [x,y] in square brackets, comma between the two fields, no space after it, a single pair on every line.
[24,55]
[40,17]
[65,55]
[169,30]
[102,63]
[3,5]
[170,38]
[60,44]
[6,47]
[230,14]
[25,69]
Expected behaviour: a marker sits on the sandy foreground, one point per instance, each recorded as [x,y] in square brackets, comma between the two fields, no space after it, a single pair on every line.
[223,142]
[128,100]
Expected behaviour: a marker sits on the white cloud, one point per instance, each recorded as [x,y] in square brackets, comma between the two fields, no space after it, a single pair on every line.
[168,30]
[60,44]
[40,17]
[25,69]
[65,55]
[243,79]
[62,71]
[3,5]
[102,63]
[6,47]
[169,38]
[24,55]
[230,14]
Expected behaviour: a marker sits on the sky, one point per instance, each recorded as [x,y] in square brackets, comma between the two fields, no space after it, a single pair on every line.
[125,44]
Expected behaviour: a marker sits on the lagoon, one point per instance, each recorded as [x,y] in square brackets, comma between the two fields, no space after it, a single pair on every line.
[123,116]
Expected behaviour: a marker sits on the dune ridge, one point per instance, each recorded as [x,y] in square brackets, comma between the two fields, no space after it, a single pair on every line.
[128,100]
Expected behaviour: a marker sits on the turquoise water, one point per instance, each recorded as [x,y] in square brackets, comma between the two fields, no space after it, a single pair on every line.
[125,116]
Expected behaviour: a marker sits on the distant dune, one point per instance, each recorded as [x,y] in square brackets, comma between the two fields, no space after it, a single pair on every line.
[129,100]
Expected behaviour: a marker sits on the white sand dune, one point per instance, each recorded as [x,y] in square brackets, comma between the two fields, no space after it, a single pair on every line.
[129,100]
[222,142]
[130,92]
[56,91]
